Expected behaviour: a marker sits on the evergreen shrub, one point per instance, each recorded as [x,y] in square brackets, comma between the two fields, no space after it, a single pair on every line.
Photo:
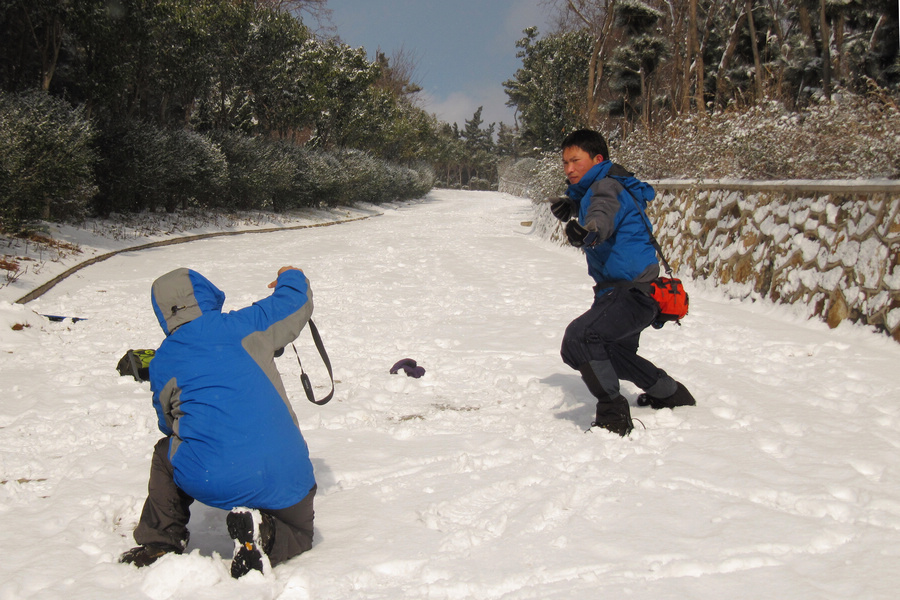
[258,172]
[479,184]
[46,160]
[143,168]
[130,168]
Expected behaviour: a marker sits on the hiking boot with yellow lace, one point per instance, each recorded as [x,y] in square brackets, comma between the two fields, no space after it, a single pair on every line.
[253,533]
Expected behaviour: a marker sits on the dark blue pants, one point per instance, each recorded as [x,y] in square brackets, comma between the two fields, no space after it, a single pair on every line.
[606,338]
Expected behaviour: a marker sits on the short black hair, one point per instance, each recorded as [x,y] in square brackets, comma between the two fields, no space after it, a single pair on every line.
[588,140]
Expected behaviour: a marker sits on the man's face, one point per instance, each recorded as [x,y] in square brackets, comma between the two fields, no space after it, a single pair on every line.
[577,162]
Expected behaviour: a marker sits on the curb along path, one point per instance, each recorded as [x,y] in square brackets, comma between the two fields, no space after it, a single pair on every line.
[44,288]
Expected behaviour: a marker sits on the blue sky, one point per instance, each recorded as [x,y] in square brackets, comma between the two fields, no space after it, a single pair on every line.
[464,49]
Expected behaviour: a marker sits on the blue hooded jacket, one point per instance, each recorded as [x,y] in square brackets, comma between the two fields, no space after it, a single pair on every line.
[605,197]
[217,393]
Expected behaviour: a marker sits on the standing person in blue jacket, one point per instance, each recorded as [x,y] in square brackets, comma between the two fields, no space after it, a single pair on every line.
[231,437]
[603,212]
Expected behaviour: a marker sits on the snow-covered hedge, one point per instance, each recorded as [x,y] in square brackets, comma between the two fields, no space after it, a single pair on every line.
[144,167]
[46,159]
[852,137]
[848,138]
[55,164]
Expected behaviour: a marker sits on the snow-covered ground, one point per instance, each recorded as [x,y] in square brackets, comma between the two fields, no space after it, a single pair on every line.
[477,480]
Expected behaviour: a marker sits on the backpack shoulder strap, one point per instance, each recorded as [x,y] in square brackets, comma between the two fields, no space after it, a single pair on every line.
[646,221]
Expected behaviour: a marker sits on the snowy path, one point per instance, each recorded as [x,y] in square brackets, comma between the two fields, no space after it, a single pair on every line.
[477,480]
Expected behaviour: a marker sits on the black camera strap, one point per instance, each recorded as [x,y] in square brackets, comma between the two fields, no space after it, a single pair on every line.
[304,378]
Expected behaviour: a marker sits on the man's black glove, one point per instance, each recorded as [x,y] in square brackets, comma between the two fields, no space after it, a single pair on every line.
[563,208]
[579,236]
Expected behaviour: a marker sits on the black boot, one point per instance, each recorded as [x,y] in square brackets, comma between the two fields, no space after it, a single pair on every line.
[681,397]
[147,554]
[253,533]
[613,413]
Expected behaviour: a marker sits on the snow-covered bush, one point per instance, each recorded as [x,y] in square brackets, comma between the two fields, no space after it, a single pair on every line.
[533,178]
[479,184]
[850,137]
[352,176]
[364,180]
[417,181]
[257,172]
[319,179]
[346,177]
[46,160]
[143,167]
[197,170]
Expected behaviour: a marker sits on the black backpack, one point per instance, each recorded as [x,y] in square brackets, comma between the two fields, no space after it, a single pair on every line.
[137,364]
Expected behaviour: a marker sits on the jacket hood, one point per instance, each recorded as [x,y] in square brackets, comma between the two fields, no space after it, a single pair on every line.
[182,295]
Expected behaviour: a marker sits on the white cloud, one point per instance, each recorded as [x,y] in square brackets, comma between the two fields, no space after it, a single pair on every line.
[455,108]
[458,107]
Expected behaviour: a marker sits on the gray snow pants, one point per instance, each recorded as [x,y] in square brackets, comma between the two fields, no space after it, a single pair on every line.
[166,513]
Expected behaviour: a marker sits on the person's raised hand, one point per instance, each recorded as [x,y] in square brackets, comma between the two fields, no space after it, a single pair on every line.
[563,208]
[579,236]
[282,270]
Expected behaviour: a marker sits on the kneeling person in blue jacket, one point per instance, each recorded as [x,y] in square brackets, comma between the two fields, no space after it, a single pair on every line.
[232,439]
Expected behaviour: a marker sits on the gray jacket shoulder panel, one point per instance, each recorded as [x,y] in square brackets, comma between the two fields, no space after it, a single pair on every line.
[170,404]
[601,213]
[261,346]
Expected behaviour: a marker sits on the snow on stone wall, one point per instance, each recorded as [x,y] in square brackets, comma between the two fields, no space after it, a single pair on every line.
[831,247]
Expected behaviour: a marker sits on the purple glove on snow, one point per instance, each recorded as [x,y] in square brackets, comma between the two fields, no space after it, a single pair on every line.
[410,366]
